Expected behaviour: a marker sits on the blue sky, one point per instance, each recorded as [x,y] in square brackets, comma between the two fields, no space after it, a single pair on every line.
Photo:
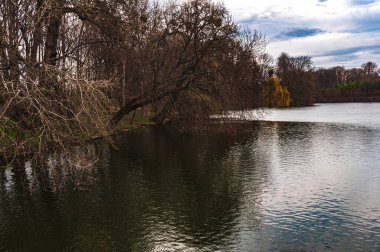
[333,32]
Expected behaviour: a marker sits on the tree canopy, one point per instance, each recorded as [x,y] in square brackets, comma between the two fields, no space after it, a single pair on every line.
[274,94]
[71,70]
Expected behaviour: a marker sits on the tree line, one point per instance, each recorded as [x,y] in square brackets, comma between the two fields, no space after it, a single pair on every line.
[70,70]
[299,83]
[338,84]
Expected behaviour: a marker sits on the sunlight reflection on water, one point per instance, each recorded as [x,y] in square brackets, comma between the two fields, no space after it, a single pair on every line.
[283,186]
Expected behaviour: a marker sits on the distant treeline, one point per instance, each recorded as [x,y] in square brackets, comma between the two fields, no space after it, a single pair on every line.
[306,85]
[338,84]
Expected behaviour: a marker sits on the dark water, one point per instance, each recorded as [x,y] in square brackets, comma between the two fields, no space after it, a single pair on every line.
[278,187]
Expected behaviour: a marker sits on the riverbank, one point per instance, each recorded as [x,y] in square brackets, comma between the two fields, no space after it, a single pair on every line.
[350,93]
[16,143]
[344,99]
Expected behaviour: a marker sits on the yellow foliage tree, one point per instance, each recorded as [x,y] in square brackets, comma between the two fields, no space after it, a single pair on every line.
[275,95]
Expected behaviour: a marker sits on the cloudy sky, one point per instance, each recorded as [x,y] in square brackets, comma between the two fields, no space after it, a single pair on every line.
[333,32]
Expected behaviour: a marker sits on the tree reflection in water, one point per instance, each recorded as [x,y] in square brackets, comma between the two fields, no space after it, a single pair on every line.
[276,186]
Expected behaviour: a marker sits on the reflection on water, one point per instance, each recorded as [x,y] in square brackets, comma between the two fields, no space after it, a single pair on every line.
[358,114]
[279,187]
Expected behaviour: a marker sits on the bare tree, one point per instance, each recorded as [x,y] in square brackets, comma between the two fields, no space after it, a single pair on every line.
[296,74]
[71,70]
[369,69]
[51,121]
[188,59]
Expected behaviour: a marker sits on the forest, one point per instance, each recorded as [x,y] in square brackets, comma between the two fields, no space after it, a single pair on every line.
[338,84]
[72,70]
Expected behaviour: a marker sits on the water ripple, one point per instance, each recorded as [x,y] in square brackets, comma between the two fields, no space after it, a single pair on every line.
[281,187]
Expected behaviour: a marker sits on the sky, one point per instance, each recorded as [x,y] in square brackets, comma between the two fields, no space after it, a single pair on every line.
[332,32]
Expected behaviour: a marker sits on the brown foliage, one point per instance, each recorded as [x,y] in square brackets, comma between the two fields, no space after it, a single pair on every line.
[64,64]
[46,120]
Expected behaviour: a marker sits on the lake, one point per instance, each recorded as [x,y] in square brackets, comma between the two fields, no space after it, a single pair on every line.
[301,179]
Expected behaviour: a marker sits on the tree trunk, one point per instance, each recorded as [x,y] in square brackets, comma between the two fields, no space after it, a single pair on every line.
[142,101]
[52,34]
[37,34]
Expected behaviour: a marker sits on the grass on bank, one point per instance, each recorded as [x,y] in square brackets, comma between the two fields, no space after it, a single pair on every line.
[134,120]
[12,137]
[353,85]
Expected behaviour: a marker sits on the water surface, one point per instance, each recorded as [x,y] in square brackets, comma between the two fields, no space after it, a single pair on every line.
[357,114]
[311,185]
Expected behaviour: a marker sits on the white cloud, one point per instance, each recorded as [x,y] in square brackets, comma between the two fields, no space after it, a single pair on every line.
[345,23]
[325,42]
